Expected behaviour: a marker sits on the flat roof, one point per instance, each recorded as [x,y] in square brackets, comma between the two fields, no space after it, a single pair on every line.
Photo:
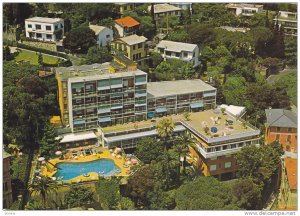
[44,20]
[169,88]
[176,46]
[72,137]
[133,39]
[243,5]
[97,29]
[196,124]
[162,8]
[94,71]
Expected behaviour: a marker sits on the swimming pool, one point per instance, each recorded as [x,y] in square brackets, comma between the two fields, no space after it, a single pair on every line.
[69,170]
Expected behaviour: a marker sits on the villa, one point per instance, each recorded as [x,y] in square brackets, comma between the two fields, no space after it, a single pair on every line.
[244,9]
[289,22]
[165,10]
[43,28]
[177,50]
[103,34]
[126,26]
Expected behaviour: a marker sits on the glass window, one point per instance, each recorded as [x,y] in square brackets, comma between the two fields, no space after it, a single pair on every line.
[278,129]
[185,54]
[140,45]
[38,35]
[107,36]
[48,36]
[177,54]
[38,27]
[227,164]
[213,167]
[29,26]
[168,53]
[224,147]
[48,28]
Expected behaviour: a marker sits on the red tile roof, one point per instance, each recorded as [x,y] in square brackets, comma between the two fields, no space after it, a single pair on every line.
[291,169]
[127,22]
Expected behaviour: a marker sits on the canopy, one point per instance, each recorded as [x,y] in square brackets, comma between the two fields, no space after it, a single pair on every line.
[151,115]
[105,119]
[73,137]
[161,109]
[234,110]
[197,105]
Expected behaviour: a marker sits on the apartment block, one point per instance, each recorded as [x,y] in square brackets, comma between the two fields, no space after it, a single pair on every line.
[98,95]
[133,47]
[244,9]
[177,50]
[282,126]
[172,97]
[44,29]
[289,22]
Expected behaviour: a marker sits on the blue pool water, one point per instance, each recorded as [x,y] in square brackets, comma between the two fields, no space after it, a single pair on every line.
[69,170]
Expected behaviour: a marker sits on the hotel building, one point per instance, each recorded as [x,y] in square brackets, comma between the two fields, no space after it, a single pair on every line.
[289,22]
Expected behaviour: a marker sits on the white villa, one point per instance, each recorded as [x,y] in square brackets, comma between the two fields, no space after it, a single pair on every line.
[183,51]
[244,9]
[104,35]
[43,28]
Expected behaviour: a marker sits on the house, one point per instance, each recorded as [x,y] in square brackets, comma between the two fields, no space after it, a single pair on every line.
[126,7]
[126,26]
[281,125]
[289,22]
[178,50]
[244,9]
[7,188]
[164,10]
[183,6]
[44,29]
[103,34]
[133,47]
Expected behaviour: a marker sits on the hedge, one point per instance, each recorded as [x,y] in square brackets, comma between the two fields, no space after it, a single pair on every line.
[36,49]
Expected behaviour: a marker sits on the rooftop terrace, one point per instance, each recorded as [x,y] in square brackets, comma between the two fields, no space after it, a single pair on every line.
[227,127]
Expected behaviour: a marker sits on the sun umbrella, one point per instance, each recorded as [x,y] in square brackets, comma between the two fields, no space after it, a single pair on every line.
[58,153]
[75,157]
[41,159]
[113,154]
[119,156]
[118,149]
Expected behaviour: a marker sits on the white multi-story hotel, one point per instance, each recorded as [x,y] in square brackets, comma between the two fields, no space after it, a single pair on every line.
[183,51]
[43,28]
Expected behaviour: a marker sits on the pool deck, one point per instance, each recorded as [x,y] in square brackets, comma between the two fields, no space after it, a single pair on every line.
[92,175]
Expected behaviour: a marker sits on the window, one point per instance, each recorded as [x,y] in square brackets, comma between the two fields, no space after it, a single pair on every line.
[218,148]
[277,136]
[288,139]
[56,27]
[233,146]
[29,26]
[161,50]
[48,28]
[140,45]
[227,164]
[168,53]
[49,36]
[241,145]
[177,54]
[38,27]
[213,167]
[107,36]
[133,47]
[278,129]
[224,147]
[38,35]
[290,129]
[185,54]
[214,158]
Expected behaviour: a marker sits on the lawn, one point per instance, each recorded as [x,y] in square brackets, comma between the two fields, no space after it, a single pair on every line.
[25,55]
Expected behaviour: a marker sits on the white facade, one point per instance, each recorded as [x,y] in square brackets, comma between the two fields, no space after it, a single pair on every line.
[104,35]
[245,9]
[162,10]
[177,50]
[289,22]
[42,28]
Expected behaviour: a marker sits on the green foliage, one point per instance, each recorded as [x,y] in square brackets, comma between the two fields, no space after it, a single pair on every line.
[49,144]
[15,14]
[179,35]
[246,194]
[40,59]
[273,65]
[161,200]
[242,67]
[108,193]
[289,83]
[126,204]
[78,196]
[260,37]
[259,163]
[203,193]
[148,149]
[97,54]
[174,69]
[200,33]
[290,51]
[186,116]
[7,56]
[79,40]
[168,22]
[58,34]
[234,90]
[165,129]
[34,205]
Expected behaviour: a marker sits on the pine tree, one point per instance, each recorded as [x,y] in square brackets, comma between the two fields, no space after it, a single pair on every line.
[6,54]
[49,144]
[275,48]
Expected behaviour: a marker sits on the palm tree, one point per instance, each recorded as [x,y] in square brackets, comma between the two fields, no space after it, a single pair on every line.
[195,170]
[165,128]
[33,205]
[43,187]
[182,144]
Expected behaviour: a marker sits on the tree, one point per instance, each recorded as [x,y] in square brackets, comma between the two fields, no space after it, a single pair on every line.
[49,143]
[242,67]
[109,193]
[288,82]
[260,37]
[58,34]
[276,44]
[179,35]
[126,204]
[40,59]
[165,129]
[182,144]
[246,194]
[16,13]
[34,205]
[79,40]
[156,59]
[78,196]
[186,116]
[97,55]
[200,33]
[234,90]
[148,149]
[204,193]
[273,65]
[168,22]
[290,51]
[161,200]
[43,186]
[7,56]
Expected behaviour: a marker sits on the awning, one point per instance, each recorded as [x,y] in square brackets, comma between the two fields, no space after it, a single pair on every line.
[105,119]
[79,122]
[209,94]
[117,107]
[73,137]
[151,115]
[103,110]
[196,105]
[140,94]
[161,109]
